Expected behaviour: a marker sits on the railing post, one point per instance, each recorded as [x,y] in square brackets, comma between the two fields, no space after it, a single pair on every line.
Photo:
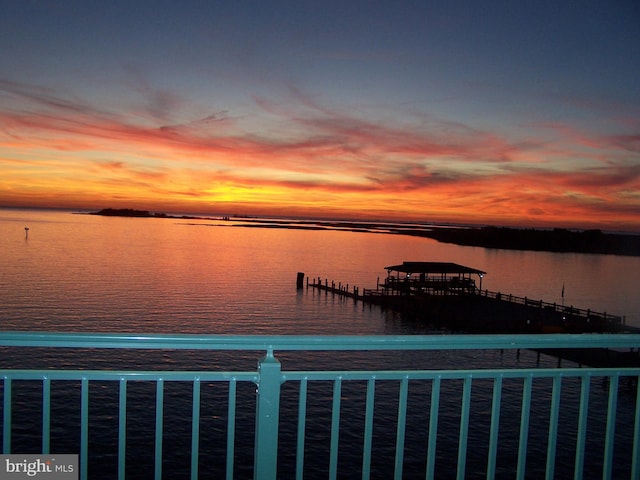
[267,418]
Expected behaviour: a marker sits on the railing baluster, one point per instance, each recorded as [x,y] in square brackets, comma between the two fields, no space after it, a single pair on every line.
[231,428]
[159,427]
[433,427]
[553,426]
[6,416]
[302,419]
[195,428]
[611,426]
[524,426]
[122,428]
[464,426]
[84,428]
[402,422]
[635,457]
[583,415]
[335,429]
[46,414]
[368,428]
[495,426]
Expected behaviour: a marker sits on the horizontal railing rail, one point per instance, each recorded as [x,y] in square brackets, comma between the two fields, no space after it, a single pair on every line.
[270,399]
[317,342]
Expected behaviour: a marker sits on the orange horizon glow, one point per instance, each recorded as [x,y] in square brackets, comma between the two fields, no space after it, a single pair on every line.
[327,164]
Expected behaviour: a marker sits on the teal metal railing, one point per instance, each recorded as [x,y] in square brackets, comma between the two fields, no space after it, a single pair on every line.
[270,377]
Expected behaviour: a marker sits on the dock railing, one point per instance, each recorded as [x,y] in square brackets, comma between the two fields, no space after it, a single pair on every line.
[560,308]
[533,385]
[568,310]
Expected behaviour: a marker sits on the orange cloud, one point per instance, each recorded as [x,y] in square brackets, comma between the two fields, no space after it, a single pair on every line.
[309,159]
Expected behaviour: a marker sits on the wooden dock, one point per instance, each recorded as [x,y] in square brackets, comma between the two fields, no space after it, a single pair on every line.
[485,311]
[544,316]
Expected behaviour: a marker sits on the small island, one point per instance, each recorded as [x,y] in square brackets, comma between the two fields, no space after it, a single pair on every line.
[126,212]
[130,212]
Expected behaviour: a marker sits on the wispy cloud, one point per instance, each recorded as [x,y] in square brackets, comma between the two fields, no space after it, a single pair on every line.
[423,167]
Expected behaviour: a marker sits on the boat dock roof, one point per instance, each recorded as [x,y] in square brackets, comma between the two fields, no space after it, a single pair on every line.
[434,267]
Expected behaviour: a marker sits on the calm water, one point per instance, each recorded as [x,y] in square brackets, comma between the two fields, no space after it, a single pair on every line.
[105,274]
[92,273]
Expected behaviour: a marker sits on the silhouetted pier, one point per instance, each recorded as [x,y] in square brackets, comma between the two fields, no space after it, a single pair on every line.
[448,292]
[446,295]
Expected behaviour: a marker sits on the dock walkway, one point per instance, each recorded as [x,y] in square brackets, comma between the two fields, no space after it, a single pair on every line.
[485,307]
[485,311]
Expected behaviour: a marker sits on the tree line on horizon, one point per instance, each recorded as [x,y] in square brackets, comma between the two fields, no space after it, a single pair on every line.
[556,240]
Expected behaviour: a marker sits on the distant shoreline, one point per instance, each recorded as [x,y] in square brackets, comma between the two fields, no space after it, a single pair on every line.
[556,240]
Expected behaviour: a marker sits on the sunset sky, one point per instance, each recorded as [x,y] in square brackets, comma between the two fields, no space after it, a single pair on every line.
[500,112]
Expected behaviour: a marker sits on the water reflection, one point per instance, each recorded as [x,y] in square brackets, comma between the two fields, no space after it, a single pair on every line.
[106,273]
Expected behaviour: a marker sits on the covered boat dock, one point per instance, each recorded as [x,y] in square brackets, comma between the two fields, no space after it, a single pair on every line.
[431,278]
[446,294]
